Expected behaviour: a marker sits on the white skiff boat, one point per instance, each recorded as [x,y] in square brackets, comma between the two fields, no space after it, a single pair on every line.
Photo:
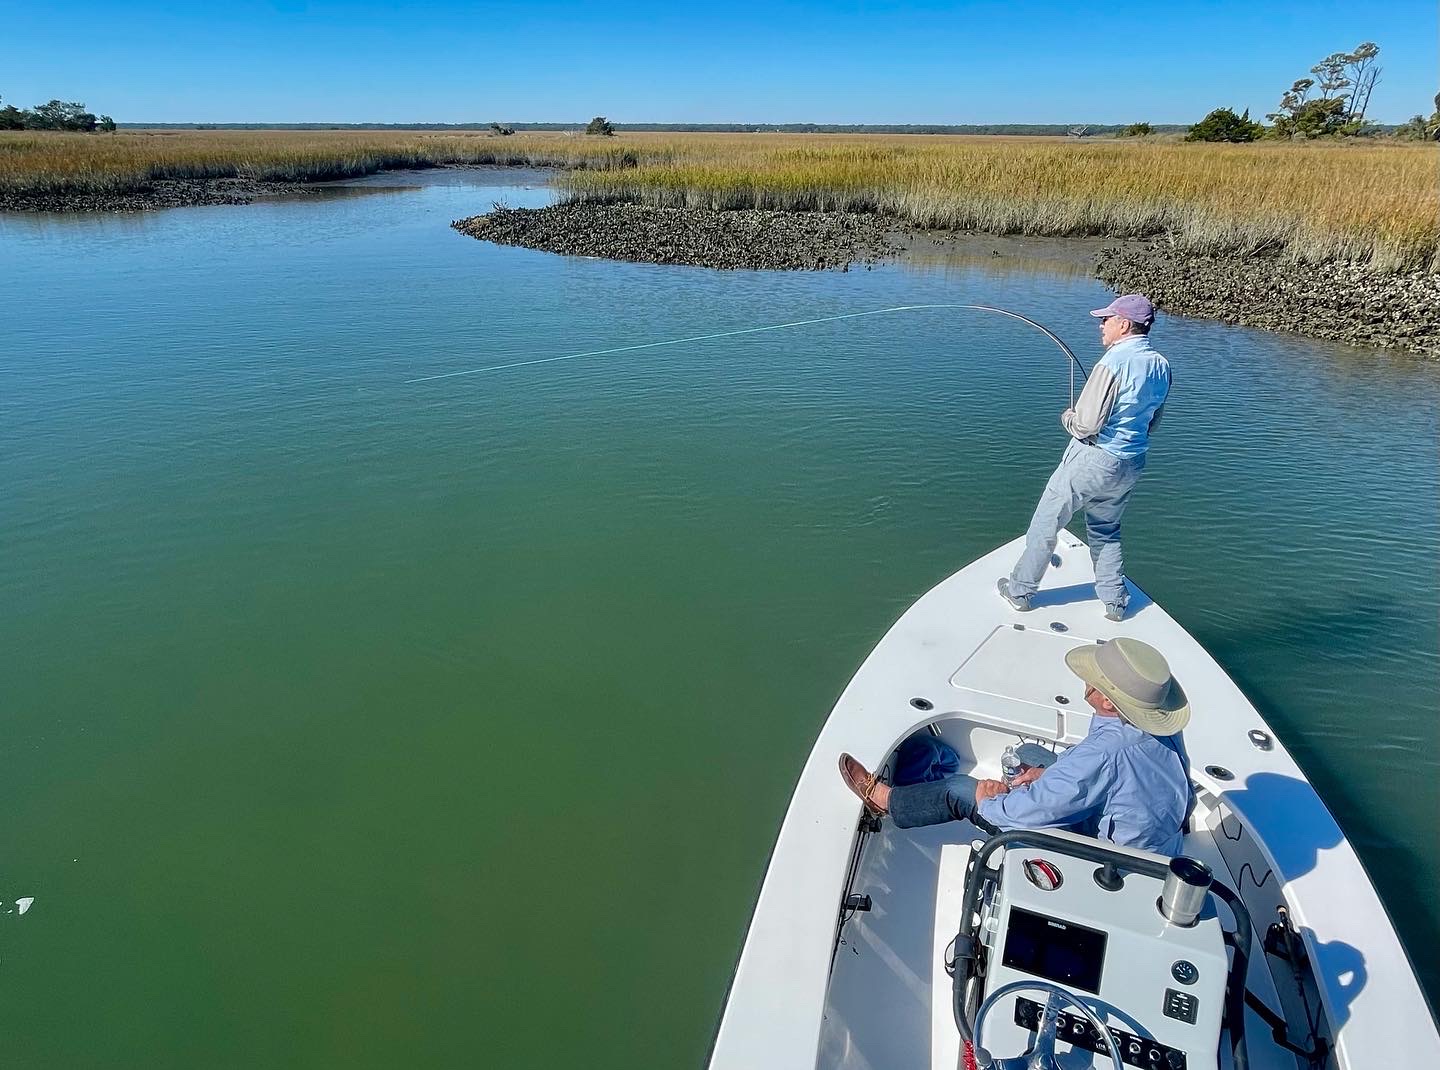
[1106,958]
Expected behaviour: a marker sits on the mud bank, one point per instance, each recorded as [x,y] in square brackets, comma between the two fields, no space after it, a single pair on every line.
[730,239]
[165,193]
[1342,302]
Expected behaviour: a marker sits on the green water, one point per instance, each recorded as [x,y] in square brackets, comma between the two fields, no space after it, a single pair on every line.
[355,723]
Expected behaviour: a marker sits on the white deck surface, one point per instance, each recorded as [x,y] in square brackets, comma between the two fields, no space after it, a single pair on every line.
[958,648]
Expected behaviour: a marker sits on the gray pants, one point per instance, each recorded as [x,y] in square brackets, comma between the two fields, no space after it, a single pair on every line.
[1099,482]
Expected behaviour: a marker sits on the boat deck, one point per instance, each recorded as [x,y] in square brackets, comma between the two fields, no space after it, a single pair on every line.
[962,652]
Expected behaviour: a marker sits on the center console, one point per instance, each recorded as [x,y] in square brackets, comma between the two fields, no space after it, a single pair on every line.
[1109,937]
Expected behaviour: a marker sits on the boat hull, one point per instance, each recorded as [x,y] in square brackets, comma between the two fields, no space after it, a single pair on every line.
[961,655]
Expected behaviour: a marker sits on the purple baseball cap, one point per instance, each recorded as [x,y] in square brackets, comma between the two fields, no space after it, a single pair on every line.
[1134,307]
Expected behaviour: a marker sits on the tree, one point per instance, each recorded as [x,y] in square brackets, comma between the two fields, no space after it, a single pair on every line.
[60,115]
[1291,102]
[1314,118]
[11,118]
[1420,128]
[1363,73]
[1136,130]
[1345,80]
[1223,124]
[1331,74]
[107,124]
[600,125]
[1417,129]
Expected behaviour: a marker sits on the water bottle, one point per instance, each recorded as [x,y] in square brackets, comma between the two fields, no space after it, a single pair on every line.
[1009,765]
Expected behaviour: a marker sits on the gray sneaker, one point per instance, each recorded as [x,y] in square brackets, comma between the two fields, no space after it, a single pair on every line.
[1020,602]
[1114,612]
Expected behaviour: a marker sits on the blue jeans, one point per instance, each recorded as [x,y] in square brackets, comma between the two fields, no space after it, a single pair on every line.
[937,801]
[1099,482]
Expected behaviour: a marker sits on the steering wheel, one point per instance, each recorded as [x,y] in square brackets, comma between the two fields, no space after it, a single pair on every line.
[1042,1055]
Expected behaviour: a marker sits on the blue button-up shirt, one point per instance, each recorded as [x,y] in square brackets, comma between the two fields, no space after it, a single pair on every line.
[1118,783]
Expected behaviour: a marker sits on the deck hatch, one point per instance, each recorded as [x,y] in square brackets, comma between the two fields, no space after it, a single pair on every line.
[1019,679]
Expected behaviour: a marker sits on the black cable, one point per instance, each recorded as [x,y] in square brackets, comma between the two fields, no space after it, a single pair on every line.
[846,912]
[1239,969]
[1280,1032]
[1240,879]
[1312,1019]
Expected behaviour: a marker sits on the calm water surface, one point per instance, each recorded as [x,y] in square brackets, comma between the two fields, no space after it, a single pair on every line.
[355,723]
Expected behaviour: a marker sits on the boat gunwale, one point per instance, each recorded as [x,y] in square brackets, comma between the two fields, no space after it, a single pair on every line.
[782,1027]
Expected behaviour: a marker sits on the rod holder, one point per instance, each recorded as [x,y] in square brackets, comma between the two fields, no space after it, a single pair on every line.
[1183,894]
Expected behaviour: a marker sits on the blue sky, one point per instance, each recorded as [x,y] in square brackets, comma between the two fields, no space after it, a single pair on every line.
[921,61]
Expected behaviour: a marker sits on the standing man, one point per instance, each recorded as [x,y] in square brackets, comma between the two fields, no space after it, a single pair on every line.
[1109,429]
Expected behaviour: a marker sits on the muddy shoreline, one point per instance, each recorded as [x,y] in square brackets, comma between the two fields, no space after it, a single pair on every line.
[1339,302]
[744,239]
[163,193]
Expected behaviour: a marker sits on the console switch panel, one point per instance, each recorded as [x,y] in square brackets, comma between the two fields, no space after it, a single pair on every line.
[1079,1033]
[1182,1006]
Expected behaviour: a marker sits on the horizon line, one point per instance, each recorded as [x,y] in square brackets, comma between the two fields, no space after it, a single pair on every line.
[580,124]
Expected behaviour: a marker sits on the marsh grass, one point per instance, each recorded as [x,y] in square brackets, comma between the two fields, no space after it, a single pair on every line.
[1373,203]
[47,164]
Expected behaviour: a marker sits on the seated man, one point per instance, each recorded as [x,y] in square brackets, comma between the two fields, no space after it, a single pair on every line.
[1127,781]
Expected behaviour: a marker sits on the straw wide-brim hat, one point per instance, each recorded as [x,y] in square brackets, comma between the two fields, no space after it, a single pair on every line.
[1135,677]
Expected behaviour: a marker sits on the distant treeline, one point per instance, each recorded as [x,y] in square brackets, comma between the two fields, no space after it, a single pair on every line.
[1034,129]
[55,115]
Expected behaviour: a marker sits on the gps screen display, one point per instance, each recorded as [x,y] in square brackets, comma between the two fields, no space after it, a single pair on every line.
[1060,951]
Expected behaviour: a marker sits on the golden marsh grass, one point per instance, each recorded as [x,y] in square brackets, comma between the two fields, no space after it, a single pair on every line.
[1372,203]
[54,163]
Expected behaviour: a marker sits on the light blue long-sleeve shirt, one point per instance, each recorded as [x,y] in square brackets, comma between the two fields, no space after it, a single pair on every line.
[1123,398]
[1118,783]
